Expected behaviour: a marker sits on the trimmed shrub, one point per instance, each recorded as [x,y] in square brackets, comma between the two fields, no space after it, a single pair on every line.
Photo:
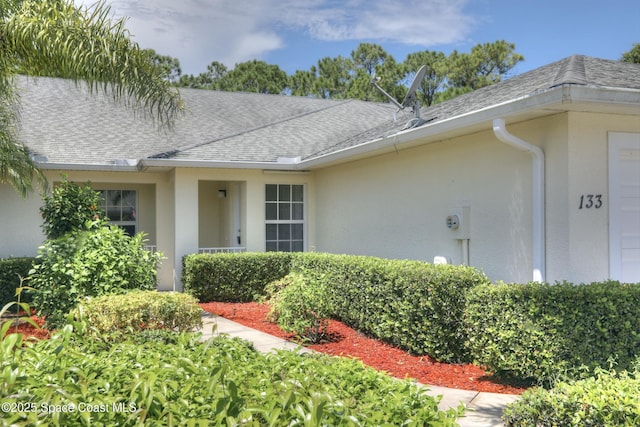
[607,399]
[236,277]
[11,269]
[540,331]
[89,263]
[140,310]
[300,304]
[410,304]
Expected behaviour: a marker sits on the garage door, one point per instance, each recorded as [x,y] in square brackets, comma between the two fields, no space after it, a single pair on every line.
[624,206]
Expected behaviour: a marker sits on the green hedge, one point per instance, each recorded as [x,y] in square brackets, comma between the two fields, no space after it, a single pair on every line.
[410,304]
[237,277]
[10,270]
[541,331]
[607,399]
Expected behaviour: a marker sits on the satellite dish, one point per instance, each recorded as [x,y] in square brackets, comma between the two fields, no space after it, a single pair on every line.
[410,99]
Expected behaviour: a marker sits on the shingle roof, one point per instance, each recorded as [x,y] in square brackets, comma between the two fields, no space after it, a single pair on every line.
[68,125]
[574,70]
[62,121]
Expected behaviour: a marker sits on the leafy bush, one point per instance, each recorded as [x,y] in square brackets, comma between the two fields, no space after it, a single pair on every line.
[410,304]
[11,270]
[139,310]
[237,277]
[89,263]
[70,207]
[607,399]
[301,305]
[219,383]
[541,331]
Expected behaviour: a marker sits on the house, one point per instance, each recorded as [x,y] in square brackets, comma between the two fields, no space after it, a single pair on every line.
[533,178]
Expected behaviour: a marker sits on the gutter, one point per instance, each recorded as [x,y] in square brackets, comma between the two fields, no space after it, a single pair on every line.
[539,244]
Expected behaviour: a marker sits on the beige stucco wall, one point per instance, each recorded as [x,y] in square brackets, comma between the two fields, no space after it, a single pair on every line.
[588,171]
[170,208]
[393,205]
[20,221]
[396,205]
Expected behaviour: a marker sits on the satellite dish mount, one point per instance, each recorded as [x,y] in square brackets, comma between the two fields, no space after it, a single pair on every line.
[410,99]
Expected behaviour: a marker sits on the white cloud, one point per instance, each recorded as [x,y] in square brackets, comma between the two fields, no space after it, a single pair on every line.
[230,31]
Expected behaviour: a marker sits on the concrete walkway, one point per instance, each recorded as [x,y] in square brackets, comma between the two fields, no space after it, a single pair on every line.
[483,409]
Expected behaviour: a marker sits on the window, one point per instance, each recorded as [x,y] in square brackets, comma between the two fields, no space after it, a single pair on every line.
[284,213]
[120,208]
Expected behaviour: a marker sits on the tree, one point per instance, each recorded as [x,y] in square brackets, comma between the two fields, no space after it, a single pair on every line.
[255,76]
[210,79]
[633,55]
[303,83]
[56,38]
[371,60]
[169,66]
[332,77]
[487,64]
[434,78]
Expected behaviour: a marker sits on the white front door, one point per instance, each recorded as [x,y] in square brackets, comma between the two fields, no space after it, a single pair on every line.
[624,206]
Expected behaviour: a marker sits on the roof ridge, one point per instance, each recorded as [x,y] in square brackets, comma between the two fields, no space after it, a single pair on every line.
[171,153]
[571,71]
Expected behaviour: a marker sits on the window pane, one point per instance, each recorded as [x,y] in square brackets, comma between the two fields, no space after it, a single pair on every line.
[285,193]
[128,213]
[297,246]
[114,197]
[297,193]
[284,211]
[130,230]
[129,198]
[272,232]
[114,214]
[297,211]
[284,232]
[271,213]
[272,246]
[284,246]
[272,193]
[297,231]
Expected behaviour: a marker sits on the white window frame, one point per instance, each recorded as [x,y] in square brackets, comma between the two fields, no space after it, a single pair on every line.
[272,220]
[121,223]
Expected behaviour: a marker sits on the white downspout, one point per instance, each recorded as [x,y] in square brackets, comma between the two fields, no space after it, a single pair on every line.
[539,251]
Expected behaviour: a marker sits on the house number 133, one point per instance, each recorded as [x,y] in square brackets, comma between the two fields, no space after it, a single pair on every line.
[588,201]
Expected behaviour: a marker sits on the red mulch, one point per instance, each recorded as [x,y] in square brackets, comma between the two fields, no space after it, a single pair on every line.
[28,330]
[350,343]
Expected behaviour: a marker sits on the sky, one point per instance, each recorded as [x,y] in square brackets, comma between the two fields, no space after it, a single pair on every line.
[295,34]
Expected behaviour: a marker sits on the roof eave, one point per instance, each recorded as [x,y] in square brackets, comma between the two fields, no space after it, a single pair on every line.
[95,167]
[551,101]
[144,164]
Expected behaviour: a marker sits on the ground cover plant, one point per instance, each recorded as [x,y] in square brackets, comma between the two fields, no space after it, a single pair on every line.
[174,379]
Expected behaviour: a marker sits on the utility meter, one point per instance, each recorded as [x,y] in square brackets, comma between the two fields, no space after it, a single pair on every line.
[453,222]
